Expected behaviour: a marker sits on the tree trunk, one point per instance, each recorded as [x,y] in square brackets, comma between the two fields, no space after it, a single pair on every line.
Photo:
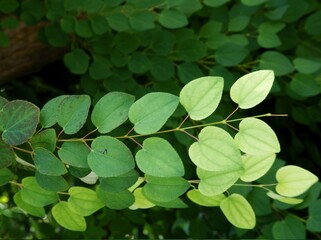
[26,53]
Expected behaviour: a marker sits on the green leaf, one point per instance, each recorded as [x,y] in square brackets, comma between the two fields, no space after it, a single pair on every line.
[162,42]
[92,6]
[201,96]
[158,158]
[118,21]
[36,196]
[305,85]
[116,200]
[111,111]
[276,61]
[213,183]
[292,201]
[4,40]
[172,19]
[51,183]
[99,69]
[259,202]
[30,209]
[268,40]
[74,154]
[208,201]
[252,88]
[313,222]
[142,20]
[45,139]
[215,3]
[99,24]
[55,35]
[164,189]
[18,121]
[7,155]
[255,166]
[67,24]
[215,151]
[188,71]
[72,113]
[230,54]
[238,23]
[141,202]
[256,137]
[83,201]
[125,46]
[77,61]
[119,183]
[312,24]
[139,63]
[68,219]
[48,113]
[83,28]
[252,3]
[162,69]
[8,6]
[238,211]
[3,102]
[289,228]
[191,50]
[47,163]
[110,157]
[306,66]
[150,112]
[293,180]
[5,176]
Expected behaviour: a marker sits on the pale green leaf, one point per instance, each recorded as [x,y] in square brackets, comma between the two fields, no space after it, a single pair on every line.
[238,211]
[110,157]
[208,201]
[83,201]
[74,154]
[158,158]
[294,180]
[256,137]
[149,113]
[141,202]
[111,111]
[201,96]
[216,182]
[251,89]
[30,209]
[255,166]
[287,200]
[67,218]
[215,151]
[72,113]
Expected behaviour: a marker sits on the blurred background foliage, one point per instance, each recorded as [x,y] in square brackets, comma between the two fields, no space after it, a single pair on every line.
[140,46]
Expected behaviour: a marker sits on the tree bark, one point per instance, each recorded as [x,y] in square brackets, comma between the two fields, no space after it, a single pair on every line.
[26,53]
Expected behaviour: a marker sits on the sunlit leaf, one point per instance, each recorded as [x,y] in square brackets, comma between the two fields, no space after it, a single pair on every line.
[238,211]
[30,209]
[18,121]
[110,157]
[158,158]
[141,202]
[111,111]
[201,96]
[149,113]
[67,218]
[208,201]
[283,199]
[215,151]
[293,180]
[251,89]
[256,137]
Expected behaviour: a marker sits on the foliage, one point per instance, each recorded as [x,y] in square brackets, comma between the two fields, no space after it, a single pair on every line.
[153,51]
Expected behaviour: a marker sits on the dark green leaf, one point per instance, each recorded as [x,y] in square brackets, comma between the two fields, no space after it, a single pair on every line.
[83,28]
[313,222]
[191,50]
[277,62]
[5,175]
[139,63]
[74,154]
[51,183]
[7,155]
[163,42]
[162,69]
[48,114]
[18,121]
[55,36]
[305,85]
[8,6]
[116,200]
[45,139]
[238,23]
[77,61]
[99,24]
[313,24]
[289,228]
[118,21]
[230,54]
[142,20]
[119,183]
[215,3]
[188,71]
[171,18]
[99,69]
[126,42]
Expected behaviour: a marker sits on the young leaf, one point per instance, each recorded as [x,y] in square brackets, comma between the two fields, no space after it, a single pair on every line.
[208,201]
[47,163]
[83,201]
[110,157]
[216,182]
[283,199]
[215,151]
[68,219]
[201,96]
[45,139]
[18,121]
[164,189]
[30,209]
[36,196]
[141,202]
[293,180]
[256,137]
[251,89]
[149,113]
[111,111]
[158,158]
[72,113]
[255,166]
[48,113]
[74,154]
[7,155]
[116,200]
[238,211]
[176,203]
